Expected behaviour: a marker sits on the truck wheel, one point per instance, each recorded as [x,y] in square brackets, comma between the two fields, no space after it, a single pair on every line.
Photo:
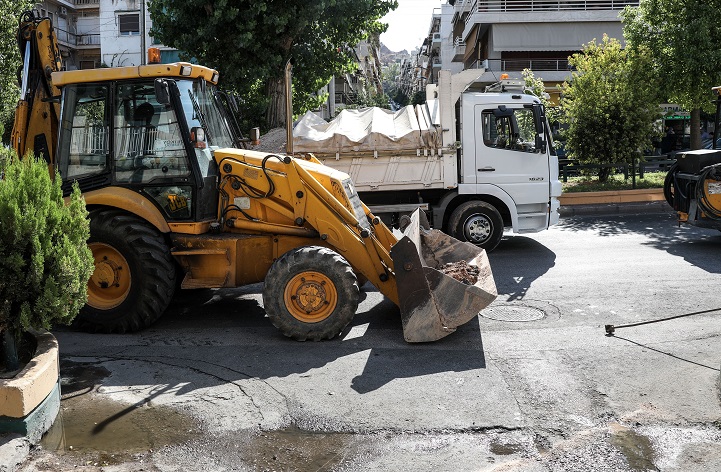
[478,223]
[310,293]
[134,277]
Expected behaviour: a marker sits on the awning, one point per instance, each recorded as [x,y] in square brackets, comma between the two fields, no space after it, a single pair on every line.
[552,36]
[471,43]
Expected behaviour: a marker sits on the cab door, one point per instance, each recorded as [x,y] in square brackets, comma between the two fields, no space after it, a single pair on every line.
[511,154]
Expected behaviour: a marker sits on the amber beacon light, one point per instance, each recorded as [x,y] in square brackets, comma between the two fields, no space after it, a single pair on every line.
[153,56]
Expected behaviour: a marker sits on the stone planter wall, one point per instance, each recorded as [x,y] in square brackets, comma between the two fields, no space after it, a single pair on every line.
[30,401]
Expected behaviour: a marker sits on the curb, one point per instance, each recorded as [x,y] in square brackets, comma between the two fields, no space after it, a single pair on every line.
[615,202]
[610,209]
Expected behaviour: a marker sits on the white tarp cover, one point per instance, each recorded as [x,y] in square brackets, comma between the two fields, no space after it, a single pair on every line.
[366,129]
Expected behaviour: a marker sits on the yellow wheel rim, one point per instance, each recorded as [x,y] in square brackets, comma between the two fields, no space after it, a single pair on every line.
[110,283]
[310,297]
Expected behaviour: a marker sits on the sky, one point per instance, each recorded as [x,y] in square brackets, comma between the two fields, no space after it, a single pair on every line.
[408,24]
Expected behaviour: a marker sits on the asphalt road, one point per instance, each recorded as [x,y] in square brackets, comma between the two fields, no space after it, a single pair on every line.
[531,385]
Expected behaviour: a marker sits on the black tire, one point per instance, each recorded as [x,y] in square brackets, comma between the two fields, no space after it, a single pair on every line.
[152,274]
[668,187]
[331,305]
[478,223]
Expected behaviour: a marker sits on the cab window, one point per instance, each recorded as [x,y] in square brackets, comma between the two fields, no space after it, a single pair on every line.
[147,139]
[84,131]
[510,129]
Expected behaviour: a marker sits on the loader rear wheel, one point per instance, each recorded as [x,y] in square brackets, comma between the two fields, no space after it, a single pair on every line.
[478,223]
[134,277]
[310,293]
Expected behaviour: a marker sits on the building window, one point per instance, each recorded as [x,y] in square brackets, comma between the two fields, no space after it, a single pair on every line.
[129,24]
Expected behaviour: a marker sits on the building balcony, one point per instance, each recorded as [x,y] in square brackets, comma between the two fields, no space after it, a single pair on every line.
[549,7]
[91,40]
[516,65]
[77,41]
[85,4]
[459,49]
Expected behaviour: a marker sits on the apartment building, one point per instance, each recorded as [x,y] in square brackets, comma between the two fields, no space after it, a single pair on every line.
[95,33]
[344,90]
[507,36]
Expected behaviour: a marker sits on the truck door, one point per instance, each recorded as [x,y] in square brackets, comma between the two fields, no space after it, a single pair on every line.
[511,155]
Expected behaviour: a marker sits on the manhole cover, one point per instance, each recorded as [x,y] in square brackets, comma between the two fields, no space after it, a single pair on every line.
[514,313]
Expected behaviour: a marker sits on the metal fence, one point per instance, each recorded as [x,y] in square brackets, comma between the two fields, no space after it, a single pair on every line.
[77,39]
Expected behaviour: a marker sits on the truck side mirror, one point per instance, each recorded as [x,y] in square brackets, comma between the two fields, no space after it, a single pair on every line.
[502,111]
[162,94]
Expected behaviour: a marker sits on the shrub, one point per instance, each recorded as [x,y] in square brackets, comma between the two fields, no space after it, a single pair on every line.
[45,262]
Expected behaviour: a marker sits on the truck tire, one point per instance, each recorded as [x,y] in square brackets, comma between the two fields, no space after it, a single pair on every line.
[134,277]
[310,293]
[476,222]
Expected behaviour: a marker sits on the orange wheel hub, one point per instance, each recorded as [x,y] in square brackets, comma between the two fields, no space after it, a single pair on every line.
[310,297]
[110,283]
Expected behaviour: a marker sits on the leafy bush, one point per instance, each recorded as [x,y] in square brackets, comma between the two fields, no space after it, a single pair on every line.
[45,262]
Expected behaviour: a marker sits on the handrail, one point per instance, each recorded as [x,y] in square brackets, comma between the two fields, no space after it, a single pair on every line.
[513,6]
[536,64]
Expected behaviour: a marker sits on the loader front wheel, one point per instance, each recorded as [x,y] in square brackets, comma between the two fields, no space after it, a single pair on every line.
[134,277]
[311,293]
[478,223]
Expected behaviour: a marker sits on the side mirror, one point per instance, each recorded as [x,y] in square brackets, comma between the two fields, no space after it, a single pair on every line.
[162,93]
[502,111]
[541,143]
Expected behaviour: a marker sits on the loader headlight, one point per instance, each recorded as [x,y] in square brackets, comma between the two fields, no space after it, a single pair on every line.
[185,71]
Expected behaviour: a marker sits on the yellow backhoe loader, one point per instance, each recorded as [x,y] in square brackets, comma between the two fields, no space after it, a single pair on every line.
[693,184]
[174,202]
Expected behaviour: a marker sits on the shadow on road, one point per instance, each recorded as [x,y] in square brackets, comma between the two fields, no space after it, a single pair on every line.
[698,246]
[199,330]
[517,262]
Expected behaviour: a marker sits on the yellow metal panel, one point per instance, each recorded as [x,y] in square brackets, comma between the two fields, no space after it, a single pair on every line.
[190,228]
[129,201]
[135,72]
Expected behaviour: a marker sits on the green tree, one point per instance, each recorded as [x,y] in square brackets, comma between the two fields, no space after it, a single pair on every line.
[536,86]
[45,262]
[683,38]
[610,105]
[250,41]
[10,11]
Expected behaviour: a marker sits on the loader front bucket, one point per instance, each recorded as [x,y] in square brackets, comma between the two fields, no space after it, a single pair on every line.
[433,303]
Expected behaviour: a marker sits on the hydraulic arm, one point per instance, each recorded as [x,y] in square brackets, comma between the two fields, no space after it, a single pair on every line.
[36,116]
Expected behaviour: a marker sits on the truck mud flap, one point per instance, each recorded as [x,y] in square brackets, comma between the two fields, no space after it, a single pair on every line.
[432,303]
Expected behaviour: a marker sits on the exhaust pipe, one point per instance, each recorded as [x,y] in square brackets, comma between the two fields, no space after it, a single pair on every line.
[432,303]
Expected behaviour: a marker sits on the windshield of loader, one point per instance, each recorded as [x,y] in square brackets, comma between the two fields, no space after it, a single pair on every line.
[202,110]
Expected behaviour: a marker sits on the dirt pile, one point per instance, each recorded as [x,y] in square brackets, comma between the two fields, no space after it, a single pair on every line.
[461,271]
[272,141]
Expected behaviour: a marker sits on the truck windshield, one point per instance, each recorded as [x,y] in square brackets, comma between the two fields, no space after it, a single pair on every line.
[202,110]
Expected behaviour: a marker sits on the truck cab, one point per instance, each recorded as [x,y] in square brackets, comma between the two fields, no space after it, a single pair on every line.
[506,152]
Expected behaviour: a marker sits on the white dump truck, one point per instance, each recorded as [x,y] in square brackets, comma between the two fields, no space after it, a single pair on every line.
[476,161]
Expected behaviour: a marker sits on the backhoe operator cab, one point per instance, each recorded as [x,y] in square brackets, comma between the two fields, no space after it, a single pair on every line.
[145,133]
